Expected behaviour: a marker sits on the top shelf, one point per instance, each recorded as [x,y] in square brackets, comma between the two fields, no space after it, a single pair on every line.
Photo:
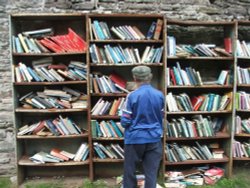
[199,23]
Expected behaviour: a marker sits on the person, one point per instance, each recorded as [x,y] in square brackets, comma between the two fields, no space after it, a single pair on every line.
[142,118]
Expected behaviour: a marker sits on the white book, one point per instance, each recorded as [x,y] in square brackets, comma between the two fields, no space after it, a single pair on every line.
[222,77]
[145,54]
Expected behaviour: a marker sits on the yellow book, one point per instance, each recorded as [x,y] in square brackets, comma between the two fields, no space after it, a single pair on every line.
[24,45]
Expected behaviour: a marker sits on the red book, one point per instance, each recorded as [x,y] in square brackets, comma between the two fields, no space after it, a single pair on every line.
[197,102]
[55,122]
[172,77]
[58,66]
[194,129]
[118,80]
[39,127]
[52,45]
[228,44]
[76,39]
[56,152]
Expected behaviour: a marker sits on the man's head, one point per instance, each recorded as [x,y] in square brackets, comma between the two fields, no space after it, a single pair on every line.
[142,73]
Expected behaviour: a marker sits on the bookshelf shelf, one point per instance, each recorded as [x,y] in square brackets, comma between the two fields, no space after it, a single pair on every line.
[49,83]
[105,117]
[244,135]
[107,139]
[107,160]
[201,87]
[190,162]
[51,110]
[218,136]
[109,94]
[48,54]
[126,65]
[202,58]
[199,112]
[241,159]
[243,85]
[127,41]
[24,161]
[52,137]
[242,111]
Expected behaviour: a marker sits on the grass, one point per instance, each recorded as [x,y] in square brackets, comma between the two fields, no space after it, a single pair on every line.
[240,180]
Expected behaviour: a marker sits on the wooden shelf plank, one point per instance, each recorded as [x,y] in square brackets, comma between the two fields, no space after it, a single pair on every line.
[105,117]
[97,160]
[241,158]
[127,41]
[188,162]
[49,54]
[218,136]
[109,94]
[107,139]
[201,87]
[200,112]
[201,58]
[242,135]
[25,161]
[126,65]
[48,83]
[52,137]
[50,110]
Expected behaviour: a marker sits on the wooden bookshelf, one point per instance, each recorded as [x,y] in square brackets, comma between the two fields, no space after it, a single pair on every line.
[209,69]
[142,22]
[242,63]
[59,23]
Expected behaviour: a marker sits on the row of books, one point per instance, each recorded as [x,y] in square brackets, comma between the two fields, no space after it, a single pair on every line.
[101,31]
[198,126]
[189,76]
[112,151]
[177,153]
[107,84]
[178,76]
[47,127]
[205,102]
[242,101]
[242,48]
[28,43]
[241,149]
[193,177]
[105,107]
[243,76]
[242,125]
[199,50]
[106,129]
[54,98]
[56,155]
[117,54]
[50,72]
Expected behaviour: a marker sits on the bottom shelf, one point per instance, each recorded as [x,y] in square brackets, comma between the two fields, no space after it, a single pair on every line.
[188,162]
[241,159]
[25,161]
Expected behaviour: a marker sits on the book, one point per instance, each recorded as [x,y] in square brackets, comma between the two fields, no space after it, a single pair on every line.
[158,29]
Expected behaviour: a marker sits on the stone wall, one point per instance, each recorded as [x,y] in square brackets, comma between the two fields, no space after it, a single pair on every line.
[176,9]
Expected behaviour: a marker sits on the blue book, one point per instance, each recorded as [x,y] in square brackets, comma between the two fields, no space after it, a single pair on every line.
[210,101]
[19,48]
[177,76]
[117,130]
[112,53]
[109,129]
[98,151]
[151,30]
[98,130]
[33,74]
[191,76]
[85,155]
[52,127]
[93,54]
[98,30]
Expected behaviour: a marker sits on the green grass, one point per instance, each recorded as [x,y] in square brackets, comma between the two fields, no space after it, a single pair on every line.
[240,180]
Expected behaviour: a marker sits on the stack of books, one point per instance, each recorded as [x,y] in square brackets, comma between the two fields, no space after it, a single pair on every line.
[193,177]
[43,41]
[129,55]
[242,100]
[106,129]
[56,155]
[43,70]
[243,76]
[54,98]
[112,151]
[242,48]
[47,127]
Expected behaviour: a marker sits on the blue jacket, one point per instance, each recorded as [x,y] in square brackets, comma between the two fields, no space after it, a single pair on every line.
[142,115]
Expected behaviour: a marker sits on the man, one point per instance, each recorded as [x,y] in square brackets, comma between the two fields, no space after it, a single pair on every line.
[142,120]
